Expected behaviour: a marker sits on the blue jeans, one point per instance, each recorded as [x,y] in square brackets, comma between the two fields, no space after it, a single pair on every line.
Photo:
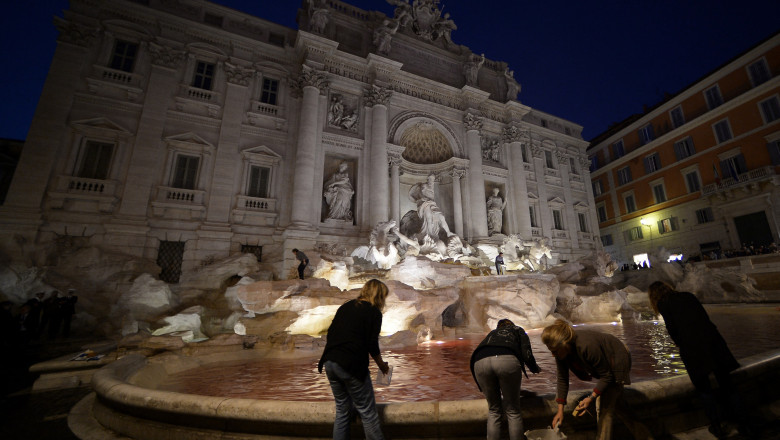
[352,393]
[500,378]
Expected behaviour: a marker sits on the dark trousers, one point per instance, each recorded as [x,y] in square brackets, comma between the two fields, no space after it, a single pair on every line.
[301,267]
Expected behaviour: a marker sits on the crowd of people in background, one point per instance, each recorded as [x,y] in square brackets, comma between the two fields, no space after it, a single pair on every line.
[40,316]
[745,251]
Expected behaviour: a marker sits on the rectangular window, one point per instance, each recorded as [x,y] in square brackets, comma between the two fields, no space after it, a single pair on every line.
[733,166]
[635,233]
[602,212]
[573,166]
[692,181]
[676,115]
[583,222]
[759,72]
[214,20]
[684,148]
[659,193]
[548,157]
[770,109]
[123,57]
[704,215]
[646,134]
[532,213]
[630,203]
[774,151]
[594,163]
[204,76]
[722,131]
[186,172]
[270,91]
[276,39]
[652,163]
[667,225]
[524,150]
[714,99]
[557,219]
[618,150]
[258,182]
[624,175]
[96,160]
[598,188]
[606,240]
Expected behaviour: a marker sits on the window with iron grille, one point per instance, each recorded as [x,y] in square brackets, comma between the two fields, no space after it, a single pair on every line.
[123,57]
[704,215]
[169,257]
[257,251]
[204,76]
[270,91]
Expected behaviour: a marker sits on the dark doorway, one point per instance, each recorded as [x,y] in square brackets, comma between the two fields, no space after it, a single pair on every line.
[169,258]
[753,229]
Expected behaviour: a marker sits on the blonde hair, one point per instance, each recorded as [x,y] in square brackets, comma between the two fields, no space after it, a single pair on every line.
[375,293]
[658,291]
[558,334]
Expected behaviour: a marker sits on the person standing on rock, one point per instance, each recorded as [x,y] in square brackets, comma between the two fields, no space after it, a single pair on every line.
[304,261]
[703,351]
[352,337]
[590,354]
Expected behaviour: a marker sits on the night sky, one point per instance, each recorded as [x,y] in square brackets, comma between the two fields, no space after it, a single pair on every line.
[592,65]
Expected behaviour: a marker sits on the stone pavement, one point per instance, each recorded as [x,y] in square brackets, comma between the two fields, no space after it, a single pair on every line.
[43,415]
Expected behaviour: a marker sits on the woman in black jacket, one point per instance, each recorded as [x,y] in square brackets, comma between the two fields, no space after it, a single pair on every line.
[352,337]
[498,364]
[702,348]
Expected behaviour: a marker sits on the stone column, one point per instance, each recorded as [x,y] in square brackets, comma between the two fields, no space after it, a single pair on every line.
[310,83]
[573,225]
[379,185]
[518,192]
[545,215]
[476,178]
[457,200]
[395,188]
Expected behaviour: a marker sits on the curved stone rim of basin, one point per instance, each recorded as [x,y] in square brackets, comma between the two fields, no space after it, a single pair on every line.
[135,411]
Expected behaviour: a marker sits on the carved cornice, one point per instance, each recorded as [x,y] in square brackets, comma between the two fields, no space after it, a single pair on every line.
[377,96]
[394,160]
[165,56]
[75,33]
[472,122]
[238,75]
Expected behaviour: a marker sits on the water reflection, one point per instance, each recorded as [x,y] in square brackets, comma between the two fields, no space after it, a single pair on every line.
[439,370]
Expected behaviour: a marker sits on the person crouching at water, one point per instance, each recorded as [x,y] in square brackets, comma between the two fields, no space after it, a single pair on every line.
[498,364]
[352,336]
[590,354]
[703,351]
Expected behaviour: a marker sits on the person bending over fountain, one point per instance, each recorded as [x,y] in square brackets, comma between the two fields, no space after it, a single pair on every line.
[703,351]
[352,336]
[498,364]
[590,354]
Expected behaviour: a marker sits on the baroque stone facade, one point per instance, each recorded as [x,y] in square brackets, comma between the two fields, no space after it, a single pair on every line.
[185,131]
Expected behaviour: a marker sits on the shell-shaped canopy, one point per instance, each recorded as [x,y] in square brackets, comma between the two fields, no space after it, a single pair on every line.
[424,144]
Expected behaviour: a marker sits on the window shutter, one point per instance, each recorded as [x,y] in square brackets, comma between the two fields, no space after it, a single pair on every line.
[774,152]
[678,151]
[675,226]
[741,164]
[661,227]
[725,169]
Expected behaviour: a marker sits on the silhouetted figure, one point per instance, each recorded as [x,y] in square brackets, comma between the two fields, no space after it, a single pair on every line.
[67,310]
[55,315]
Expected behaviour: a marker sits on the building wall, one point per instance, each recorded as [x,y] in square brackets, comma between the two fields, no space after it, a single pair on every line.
[160,118]
[753,188]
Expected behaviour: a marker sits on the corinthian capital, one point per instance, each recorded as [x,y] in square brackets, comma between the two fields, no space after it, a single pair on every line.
[457,173]
[537,150]
[310,77]
[377,96]
[165,56]
[238,74]
[75,33]
[472,122]
[561,155]
[514,134]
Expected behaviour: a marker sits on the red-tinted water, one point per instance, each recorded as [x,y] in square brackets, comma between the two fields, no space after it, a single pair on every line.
[439,370]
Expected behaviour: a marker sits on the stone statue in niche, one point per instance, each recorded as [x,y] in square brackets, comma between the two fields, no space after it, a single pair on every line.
[471,68]
[340,116]
[495,212]
[427,225]
[512,86]
[318,16]
[338,194]
[383,35]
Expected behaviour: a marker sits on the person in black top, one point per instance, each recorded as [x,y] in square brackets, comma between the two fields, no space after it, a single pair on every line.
[703,351]
[304,261]
[352,337]
[500,263]
[498,364]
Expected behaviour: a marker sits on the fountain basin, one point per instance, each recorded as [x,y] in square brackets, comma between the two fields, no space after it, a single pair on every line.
[125,404]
